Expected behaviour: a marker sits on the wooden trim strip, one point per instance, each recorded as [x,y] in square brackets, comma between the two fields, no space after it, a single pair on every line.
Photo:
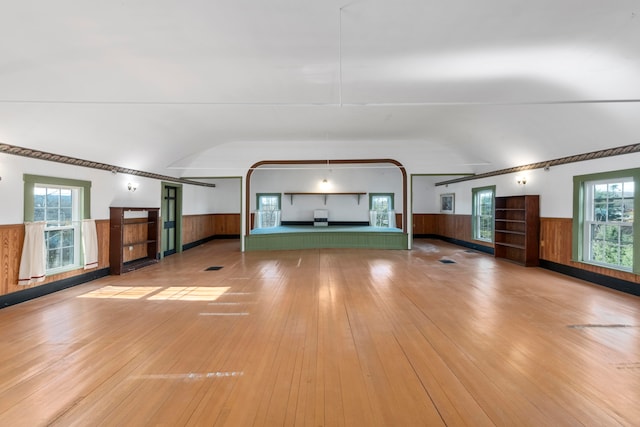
[43,155]
[600,154]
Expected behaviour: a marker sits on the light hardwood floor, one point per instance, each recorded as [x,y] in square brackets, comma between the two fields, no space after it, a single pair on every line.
[329,337]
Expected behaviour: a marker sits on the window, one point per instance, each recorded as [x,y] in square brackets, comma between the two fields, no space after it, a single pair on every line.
[482,215]
[381,209]
[268,212]
[605,219]
[62,204]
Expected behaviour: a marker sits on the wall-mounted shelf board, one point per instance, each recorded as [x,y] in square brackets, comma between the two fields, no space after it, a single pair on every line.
[358,194]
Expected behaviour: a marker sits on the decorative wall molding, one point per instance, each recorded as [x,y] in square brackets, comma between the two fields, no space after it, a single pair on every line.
[43,155]
[600,154]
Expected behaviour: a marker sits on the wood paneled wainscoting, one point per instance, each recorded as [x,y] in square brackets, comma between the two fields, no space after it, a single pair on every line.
[11,242]
[197,229]
[453,227]
[555,246]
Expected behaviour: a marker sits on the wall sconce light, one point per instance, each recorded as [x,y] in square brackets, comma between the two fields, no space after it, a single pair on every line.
[521,180]
[132,186]
[324,184]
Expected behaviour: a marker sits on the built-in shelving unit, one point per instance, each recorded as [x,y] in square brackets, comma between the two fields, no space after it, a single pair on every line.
[517,229]
[325,195]
[134,238]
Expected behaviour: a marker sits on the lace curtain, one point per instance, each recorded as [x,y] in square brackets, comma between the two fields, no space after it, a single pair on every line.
[264,219]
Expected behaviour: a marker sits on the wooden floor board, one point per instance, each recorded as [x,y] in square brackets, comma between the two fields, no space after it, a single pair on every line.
[324,337]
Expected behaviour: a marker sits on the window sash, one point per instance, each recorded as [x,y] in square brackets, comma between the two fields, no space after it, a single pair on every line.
[483,201]
[268,206]
[608,225]
[59,207]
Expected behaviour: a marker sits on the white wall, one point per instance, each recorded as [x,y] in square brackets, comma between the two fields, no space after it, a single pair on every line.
[554,186]
[359,178]
[107,189]
[228,195]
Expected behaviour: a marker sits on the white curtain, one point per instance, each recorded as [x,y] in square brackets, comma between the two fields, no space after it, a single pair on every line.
[373,217]
[264,219]
[390,215]
[89,243]
[33,261]
[392,219]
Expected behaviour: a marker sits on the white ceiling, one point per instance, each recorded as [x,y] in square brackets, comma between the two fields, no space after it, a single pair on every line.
[195,88]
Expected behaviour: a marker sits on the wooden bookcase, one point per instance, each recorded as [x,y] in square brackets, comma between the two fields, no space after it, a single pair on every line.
[517,229]
[134,238]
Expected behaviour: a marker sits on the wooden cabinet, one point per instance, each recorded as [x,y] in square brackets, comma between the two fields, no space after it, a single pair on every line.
[517,229]
[134,238]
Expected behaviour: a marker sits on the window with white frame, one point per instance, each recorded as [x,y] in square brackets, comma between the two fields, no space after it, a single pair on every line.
[381,209]
[268,210]
[61,204]
[608,230]
[482,213]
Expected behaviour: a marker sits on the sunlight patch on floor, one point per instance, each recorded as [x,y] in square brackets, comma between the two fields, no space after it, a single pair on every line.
[157,293]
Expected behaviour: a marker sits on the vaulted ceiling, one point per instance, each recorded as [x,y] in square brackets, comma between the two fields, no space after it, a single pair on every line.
[200,87]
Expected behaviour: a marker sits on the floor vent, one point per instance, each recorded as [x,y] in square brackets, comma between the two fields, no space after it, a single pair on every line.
[447,261]
[214,268]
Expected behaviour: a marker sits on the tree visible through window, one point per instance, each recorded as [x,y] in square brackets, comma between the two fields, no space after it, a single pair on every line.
[268,210]
[382,205]
[59,207]
[483,213]
[609,217]
[62,203]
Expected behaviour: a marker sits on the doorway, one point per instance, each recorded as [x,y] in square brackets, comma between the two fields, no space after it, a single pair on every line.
[171,215]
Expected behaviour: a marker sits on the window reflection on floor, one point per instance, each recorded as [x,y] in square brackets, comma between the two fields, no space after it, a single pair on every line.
[156,293]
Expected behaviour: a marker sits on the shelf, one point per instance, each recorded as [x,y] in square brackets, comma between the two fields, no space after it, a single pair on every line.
[133,242]
[291,194]
[509,245]
[517,229]
[142,242]
[520,233]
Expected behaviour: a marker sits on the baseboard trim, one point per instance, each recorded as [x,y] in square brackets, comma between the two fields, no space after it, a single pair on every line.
[197,243]
[597,278]
[49,288]
[464,243]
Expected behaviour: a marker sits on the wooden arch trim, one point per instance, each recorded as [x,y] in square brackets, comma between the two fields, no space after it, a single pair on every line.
[328,163]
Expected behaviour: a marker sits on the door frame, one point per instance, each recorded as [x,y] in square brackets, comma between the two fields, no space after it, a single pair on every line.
[163,215]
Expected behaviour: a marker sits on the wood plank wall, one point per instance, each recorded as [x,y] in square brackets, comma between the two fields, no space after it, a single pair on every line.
[11,241]
[199,227]
[194,228]
[555,246]
[555,239]
[555,242]
[452,226]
